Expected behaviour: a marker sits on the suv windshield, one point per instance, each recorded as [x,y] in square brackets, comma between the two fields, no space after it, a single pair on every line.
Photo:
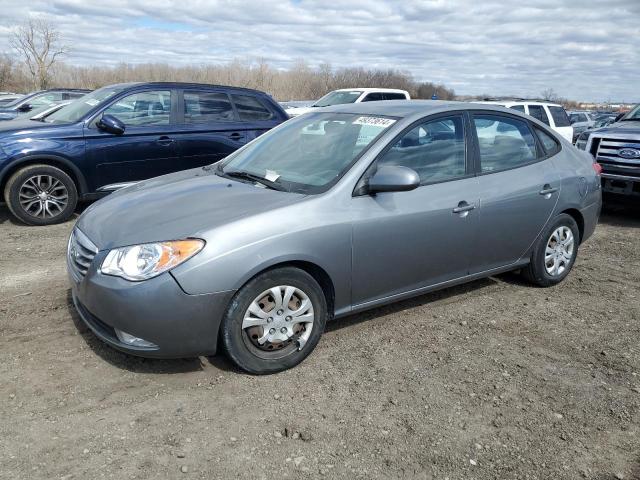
[338,98]
[634,114]
[307,154]
[77,109]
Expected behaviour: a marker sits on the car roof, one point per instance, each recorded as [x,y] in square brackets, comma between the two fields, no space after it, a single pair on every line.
[410,108]
[519,102]
[370,89]
[183,85]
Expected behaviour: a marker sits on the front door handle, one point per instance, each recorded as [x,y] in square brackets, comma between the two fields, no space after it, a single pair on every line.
[547,190]
[235,136]
[464,208]
[165,141]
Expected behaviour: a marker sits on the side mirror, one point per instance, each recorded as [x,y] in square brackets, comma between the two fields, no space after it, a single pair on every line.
[110,124]
[393,178]
[25,107]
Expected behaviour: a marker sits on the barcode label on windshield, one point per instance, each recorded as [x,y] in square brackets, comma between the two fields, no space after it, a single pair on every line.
[374,121]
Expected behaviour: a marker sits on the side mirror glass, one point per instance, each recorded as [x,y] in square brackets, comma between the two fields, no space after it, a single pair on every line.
[25,107]
[110,124]
[393,178]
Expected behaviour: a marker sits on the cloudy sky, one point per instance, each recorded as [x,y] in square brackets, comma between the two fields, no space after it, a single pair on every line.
[585,50]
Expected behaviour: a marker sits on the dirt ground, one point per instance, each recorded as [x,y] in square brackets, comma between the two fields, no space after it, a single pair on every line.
[492,380]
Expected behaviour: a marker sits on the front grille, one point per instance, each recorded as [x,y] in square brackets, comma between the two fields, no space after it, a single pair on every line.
[608,155]
[80,254]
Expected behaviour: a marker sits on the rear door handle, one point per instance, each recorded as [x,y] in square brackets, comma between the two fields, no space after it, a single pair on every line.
[464,208]
[165,141]
[235,136]
[548,190]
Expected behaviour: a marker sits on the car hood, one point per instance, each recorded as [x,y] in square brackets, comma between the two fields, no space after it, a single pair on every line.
[180,205]
[24,125]
[628,127]
[7,114]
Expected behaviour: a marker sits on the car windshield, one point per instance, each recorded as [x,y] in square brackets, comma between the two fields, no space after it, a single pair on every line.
[307,154]
[634,114]
[77,109]
[18,100]
[338,98]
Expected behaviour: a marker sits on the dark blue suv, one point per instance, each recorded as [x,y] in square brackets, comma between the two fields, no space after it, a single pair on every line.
[119,135]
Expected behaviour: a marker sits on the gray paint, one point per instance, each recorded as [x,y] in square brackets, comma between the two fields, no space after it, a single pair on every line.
[375,248]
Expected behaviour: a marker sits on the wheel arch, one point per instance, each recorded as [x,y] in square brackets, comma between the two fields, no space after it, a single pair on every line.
[579,219]
[318,273]
[46,159]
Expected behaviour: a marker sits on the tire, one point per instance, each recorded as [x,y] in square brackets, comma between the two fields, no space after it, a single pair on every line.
[28,183]
[537,272]
[241,336]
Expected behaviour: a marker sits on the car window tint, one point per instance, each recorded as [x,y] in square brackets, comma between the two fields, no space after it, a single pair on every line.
[250,108]
[144,108]
[537,111]
[560,117]
[394,96]
[504,142]
[202,107]
[434,149]
[550,144]
[373,97]
[519,108]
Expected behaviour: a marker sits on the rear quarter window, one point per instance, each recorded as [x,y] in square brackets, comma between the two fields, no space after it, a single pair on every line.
[550,144]
[250,108]
[560,117]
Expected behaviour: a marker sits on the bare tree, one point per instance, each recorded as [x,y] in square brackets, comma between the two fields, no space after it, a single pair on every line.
[39,44]
[6,68]
[549,95]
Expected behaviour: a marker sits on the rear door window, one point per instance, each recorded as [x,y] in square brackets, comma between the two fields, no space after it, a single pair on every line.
[560,117]
[537,111]
[504,142]
[203,107]
[250,108]
[373,97]
[394,96]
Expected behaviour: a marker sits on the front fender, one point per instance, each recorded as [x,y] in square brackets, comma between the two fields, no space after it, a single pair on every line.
[20,160]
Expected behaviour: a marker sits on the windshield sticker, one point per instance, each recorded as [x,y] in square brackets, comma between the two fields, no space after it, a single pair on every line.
[272,176]
[374,121]
[92,102]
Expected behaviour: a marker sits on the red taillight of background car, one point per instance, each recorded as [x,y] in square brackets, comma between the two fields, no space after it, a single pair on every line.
[597,167]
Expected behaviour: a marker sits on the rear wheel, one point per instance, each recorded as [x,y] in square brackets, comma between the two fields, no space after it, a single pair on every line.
[555,252]
[41,195]
[275,321]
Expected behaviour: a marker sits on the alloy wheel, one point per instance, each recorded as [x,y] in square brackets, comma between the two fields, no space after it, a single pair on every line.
[43,196]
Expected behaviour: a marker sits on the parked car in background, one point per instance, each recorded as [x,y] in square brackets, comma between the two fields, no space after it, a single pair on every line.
[617,148]
[119,135]
[605,119]
[40,113]
[351,95]
[581,120]
[337,211]
[551,114]
[27,103]
[7,97]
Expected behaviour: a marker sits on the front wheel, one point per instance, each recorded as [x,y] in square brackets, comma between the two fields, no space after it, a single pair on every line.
[554,253]
[41,195]
[274,321]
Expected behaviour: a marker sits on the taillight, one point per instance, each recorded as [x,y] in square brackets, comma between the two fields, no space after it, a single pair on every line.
[597,167]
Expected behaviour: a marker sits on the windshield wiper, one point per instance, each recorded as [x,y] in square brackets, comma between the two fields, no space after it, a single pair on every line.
[254,178]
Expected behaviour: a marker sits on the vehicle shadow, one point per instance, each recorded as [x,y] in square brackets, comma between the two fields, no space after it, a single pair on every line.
[135,364]
[620,212]
[444,295]
[6,217]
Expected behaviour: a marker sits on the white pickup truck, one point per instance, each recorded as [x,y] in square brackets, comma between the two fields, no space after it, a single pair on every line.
[351,95]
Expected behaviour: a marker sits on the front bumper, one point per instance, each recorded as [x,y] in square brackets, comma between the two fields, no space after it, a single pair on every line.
[157,310]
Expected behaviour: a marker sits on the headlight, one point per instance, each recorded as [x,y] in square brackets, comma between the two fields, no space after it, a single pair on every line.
[141,262]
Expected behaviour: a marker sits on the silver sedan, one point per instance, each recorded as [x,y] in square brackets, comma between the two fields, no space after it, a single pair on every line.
[334,212]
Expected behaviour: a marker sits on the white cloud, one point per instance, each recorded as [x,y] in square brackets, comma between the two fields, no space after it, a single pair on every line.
[584,50]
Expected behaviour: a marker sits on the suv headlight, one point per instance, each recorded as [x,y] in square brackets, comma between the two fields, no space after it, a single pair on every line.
[142,262]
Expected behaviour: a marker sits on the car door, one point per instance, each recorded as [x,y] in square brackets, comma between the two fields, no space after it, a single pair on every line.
[404,241]
[255,114]
[146,149]
[518,189]
[211,129]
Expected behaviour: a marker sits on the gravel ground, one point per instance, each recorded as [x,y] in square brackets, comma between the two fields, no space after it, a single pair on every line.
[494,379]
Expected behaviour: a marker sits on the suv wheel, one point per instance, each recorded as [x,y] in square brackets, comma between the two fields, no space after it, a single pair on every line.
[274,321]
[41,195]
[554,253]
